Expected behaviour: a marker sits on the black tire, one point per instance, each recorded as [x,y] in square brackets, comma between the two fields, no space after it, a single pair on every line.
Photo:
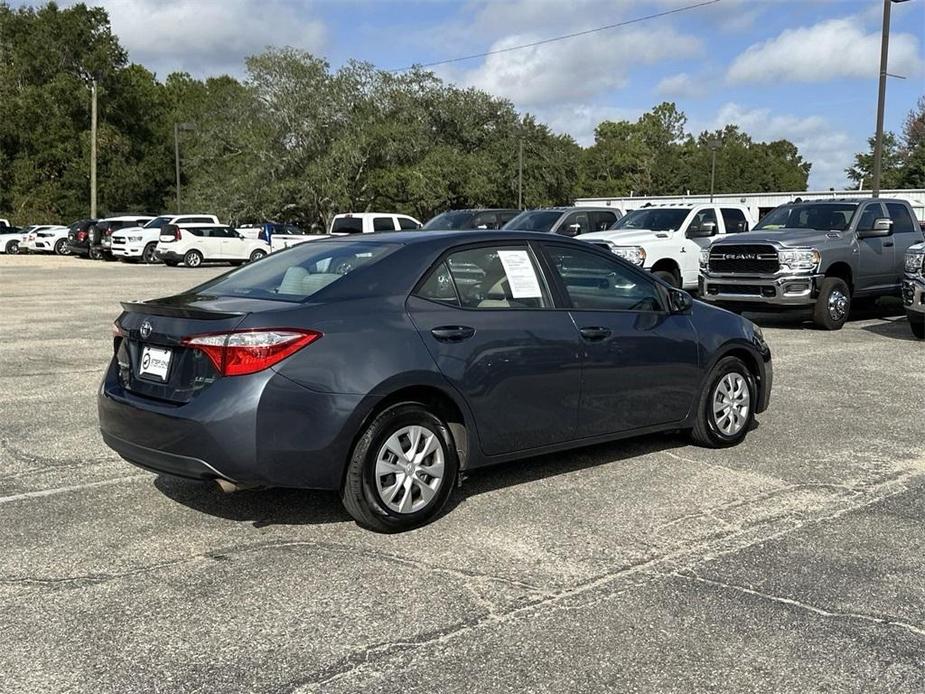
[669,277]
[360,492]
[171,263]
[192,259]
[148,254]
[94,253]
[257,255]
[61,247]
[917,323]
[833,304]
[707,429]
[12,248]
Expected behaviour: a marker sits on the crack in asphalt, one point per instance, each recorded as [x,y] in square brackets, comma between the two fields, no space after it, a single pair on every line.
[882,621]
[21,456]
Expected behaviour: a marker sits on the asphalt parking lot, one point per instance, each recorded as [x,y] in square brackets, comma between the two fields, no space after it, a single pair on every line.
[794,562]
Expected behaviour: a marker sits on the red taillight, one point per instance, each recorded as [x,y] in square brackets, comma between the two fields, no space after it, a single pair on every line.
[81,235]
[250,351]
[177,235]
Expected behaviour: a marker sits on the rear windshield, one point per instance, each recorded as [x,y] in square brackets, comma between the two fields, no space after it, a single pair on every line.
[347,225]
[819,216]
[534,220]
[297,273]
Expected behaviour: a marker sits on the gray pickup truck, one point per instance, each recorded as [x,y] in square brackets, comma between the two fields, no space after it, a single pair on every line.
[819,254]
[914,289]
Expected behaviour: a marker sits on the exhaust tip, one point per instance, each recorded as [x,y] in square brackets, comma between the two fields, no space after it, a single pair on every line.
[229,487]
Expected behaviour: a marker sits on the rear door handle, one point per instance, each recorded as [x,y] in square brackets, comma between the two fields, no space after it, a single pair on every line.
[594,333]
[453,333]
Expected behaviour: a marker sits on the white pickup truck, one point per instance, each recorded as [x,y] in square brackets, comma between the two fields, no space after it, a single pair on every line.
[667,239]
[139,243]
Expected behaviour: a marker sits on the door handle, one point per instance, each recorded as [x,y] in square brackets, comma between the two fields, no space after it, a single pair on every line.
[887,244]
[453,333]
[595,333]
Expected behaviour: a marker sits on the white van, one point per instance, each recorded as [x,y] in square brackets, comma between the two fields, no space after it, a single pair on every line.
[667,239]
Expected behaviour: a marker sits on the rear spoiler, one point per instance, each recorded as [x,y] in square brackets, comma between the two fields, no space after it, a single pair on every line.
[155,309]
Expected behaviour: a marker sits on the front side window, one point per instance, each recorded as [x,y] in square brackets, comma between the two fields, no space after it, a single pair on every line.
[869,215]
[573,225]
[407,223]
[488,278]
[703,218]
[902,220]
[594,282]
[734,219]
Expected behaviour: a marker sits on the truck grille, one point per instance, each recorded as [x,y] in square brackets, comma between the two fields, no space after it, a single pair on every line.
[744,259]
[118,240]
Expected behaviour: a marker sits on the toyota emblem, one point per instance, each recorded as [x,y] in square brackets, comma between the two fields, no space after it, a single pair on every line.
[146,330]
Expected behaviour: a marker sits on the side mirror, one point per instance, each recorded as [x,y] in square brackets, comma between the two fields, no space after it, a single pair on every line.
[703,231]
[883,226]
[679,301]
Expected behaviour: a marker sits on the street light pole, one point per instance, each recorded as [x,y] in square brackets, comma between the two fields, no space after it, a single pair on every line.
[881,98]
[714,145]
[93,150]
[177,127]
[520,174]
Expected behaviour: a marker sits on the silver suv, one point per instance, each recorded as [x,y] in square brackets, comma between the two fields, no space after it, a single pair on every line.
[567,221]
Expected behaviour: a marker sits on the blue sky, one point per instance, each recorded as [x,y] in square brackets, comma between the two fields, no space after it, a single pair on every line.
[805,70]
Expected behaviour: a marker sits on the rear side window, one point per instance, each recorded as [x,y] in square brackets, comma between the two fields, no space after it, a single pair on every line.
[383,224]
[196,231]
[347,225]
[194,220]
[299,272]
[488,278]
[735,220]
[902,220]
[601,221]
[407,223]
[485,220]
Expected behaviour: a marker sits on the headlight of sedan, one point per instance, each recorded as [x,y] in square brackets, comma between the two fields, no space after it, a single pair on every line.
[915,262]
[635,254]
[800,258]
[704,257]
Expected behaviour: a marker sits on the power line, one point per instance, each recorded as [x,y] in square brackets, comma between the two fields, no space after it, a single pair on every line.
[563,37]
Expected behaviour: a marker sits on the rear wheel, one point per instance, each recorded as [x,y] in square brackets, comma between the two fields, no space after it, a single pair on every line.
[402,470]
[149,254]
[727,405]
[833,304]
[61,247]
[257,255]
[95,253]
[12,248]
[917,323]
[193,259]
[669,277]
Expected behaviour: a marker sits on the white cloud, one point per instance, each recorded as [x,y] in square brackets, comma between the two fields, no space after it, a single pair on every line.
[579,120]
[830,151]
[574,69]
[206,37]
[830,49]
[680,85]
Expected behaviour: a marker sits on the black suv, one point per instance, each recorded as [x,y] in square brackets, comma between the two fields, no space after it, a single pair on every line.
[100,234]
[78,237]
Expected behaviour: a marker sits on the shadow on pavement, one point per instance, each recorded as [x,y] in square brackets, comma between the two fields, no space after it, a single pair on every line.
[898,329]
[801,319]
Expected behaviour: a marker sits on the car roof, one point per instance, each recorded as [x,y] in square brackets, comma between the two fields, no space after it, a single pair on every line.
[443,235]
[193,225]
[125,217]
[371,214]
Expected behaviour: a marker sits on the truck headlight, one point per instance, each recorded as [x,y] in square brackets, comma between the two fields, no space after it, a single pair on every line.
[634,254]
[704,257]
[133,238]
[800,258]
[915,262]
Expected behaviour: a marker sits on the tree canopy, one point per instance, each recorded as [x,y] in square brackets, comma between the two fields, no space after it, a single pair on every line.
[295,140]
[902,163]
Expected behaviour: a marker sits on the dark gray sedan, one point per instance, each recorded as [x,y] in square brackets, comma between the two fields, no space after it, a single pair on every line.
[387,365]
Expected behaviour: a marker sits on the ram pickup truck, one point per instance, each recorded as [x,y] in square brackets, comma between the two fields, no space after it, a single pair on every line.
[666,239]
[914,289]
[816,254]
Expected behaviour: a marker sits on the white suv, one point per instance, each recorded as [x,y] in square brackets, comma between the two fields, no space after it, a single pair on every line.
[195,244]
[667,239]
[47,238]
[139,243]
[369,222]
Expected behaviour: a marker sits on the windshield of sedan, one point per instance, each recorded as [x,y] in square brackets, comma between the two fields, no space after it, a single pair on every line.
[157,222]
[298,272]
[534,220]
[451,220]
[653,219]
[816,216]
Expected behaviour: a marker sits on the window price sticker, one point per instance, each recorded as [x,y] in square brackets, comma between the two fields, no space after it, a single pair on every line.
[521,276]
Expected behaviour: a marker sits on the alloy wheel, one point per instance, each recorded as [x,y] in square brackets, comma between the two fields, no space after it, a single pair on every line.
[731,403]
[838,305]
[410,469]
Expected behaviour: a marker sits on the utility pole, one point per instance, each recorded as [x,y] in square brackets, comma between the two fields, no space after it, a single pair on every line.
[714,145]
[881,96]
[520,174]
[93,150]
[177,128]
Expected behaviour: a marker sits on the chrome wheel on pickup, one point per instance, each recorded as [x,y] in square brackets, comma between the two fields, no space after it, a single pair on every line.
[833,304]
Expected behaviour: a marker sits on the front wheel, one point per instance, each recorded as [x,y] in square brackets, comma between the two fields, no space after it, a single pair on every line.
[833,304]
[257,255]
[917,323]
[669,277]
[149,254]
[61,247]
[12,248]
[727,405]
[402,470]
[193,259]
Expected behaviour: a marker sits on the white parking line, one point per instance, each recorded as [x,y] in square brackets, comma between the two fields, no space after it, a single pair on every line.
[64,490]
